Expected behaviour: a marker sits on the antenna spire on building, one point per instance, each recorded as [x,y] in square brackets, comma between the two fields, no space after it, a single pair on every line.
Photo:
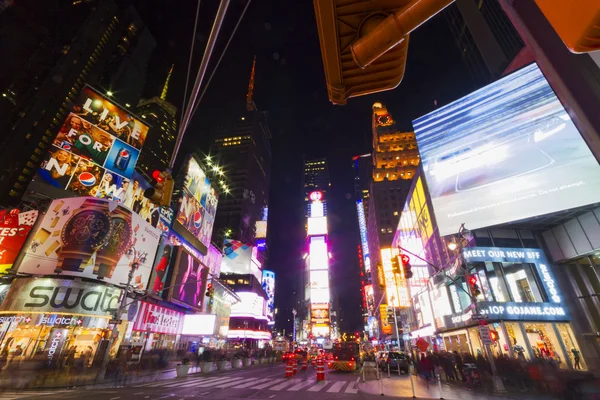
[249,97]
[163,94]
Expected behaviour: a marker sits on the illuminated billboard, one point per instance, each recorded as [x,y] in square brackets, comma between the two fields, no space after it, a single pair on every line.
[319,295]
[268,284]
[188,283]
[251,305]
[199,324]
[316,209]
[261,229]
[237,258]
[317,226]
[362,226]
[318,257]
[198,205]
[506,152]
[319,279]
[92,238]
[319,316]
[14,230]
[96,149]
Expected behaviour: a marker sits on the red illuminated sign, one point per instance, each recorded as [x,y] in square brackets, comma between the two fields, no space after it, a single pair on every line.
[316,196]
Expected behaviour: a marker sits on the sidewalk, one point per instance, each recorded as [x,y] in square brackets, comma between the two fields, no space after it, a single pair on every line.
[400,386]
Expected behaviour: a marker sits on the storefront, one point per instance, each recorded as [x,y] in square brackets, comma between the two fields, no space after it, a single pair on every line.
[154,327]
[59,320]
[517,298]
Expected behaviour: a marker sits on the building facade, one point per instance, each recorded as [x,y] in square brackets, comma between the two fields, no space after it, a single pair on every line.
[109,49]
[243,151]
[160,143]
[315,179]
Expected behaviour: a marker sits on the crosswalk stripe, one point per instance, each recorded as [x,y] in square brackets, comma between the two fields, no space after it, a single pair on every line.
[234,382]
[264,385]
[286,383]
[252,383]
[300,386]
[318,386]
[194,382]
[20,395]
[220,382]
[351,389]
[335,388]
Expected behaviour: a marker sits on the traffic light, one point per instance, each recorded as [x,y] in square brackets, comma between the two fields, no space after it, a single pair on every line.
[380,276]
[395,265]
[364,43]
[160,193]
[494,335]
[210,291]
[473,286]
[577,24]
[407,268]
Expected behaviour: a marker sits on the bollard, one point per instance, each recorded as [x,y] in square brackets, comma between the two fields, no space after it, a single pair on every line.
[295,367]
[381,386]
[412,380]
[289,369]
[320,371]
[388,369]
[304,365]
[440,386]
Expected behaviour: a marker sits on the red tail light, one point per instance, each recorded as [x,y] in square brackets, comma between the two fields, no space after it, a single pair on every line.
[336,357]
[352,359]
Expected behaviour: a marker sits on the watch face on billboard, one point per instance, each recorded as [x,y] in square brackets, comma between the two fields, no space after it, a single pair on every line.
[95,150]
[198,204]
[92,238]
[506,152]
[188,284]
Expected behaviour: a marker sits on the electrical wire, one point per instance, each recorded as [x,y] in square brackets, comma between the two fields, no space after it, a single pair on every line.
[220,58]
[189,69]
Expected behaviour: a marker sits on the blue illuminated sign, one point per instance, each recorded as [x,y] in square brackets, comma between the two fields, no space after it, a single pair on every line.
[362,226]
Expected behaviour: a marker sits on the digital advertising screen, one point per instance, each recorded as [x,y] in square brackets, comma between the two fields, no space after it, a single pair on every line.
[506,152]
[157,216]
[96,149]
[188,283]
[237,257]
[268,284]
[198,204]
[92,238]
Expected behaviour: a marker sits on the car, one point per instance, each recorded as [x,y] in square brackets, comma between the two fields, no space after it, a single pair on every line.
[288,356]
[396,361]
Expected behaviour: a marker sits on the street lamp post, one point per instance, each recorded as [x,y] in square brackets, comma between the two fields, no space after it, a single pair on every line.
[138,258]
[294,312]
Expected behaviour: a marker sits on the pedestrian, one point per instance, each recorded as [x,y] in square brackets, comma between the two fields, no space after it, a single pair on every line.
[458,362]
[576,358]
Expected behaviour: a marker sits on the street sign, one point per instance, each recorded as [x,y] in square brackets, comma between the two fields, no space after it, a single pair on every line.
[484,332]
[328,344]
[422,344]
[115,321]
[477,317]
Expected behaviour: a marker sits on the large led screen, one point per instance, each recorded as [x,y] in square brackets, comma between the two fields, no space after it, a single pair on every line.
[92,238]
[318,257]
[506,152]
[14,230]
[198,205]
[96,149]
[188,284]
[268,284]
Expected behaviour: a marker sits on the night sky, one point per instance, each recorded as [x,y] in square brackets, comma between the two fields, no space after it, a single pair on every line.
[290,84]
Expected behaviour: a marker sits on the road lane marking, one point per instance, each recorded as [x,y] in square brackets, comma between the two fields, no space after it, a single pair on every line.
[135,394]
[318,386]
[286,383]
[220,382]
[335,388]
[233,383]
[272,396]
[351,389]
[251,383]
[264,385]
[115,398]
[300,386]
[203,394]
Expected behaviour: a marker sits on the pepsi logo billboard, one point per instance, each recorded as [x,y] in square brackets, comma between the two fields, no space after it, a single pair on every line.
[96,149]
[197,206]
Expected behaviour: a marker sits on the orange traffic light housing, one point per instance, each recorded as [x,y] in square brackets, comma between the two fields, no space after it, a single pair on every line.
[576,22]
[364,43]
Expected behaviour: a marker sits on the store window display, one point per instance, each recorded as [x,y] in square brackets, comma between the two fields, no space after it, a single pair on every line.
[544,343]
[566,334]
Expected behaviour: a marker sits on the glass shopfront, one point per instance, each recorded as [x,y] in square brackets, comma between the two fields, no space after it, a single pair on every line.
[155,327]
[519,300]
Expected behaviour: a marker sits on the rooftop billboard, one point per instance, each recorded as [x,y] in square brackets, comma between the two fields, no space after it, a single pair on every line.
[506,152]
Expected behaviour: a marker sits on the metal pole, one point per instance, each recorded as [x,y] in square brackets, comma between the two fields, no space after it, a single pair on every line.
[496,380]
[440,386]
[412,380]
[114,332]
[212,39]
[388,364]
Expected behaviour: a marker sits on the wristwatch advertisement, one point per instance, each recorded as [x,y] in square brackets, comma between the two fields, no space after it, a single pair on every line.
[92,238]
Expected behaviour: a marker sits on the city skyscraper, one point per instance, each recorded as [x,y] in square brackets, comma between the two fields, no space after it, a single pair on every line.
[160,142]
[243,150]
[395,159]
[103,46]
[486,38]
[315,179]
